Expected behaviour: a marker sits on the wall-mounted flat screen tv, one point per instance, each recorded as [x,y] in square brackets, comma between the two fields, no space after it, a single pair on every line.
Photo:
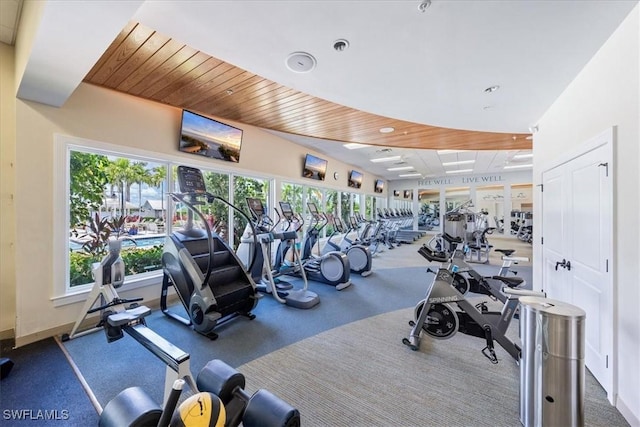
[314,167]
[209,138]
[355,179]
[379,186]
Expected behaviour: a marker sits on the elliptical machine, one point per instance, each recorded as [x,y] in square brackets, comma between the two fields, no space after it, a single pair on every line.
[264,273]
[208,277]
[331,268]
[359,256]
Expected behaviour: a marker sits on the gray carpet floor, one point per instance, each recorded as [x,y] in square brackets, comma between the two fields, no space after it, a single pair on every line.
[342,362]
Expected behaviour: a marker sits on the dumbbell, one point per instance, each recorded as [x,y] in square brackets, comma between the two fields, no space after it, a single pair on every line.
[262,409]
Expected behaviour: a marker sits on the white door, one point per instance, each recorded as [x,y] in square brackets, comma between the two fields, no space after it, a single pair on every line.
[577,232]
[554,237]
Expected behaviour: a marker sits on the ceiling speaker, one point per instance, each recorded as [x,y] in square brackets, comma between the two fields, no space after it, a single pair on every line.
[301,62]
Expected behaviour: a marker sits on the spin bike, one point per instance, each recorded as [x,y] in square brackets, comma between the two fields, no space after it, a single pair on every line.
[436,316]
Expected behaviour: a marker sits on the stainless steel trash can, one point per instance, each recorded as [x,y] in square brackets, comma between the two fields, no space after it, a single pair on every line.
[552,363]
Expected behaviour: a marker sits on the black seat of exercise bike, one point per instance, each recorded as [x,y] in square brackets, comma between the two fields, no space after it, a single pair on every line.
[506,252]
[434,256]
[128,316]
[449,238]
[512,282]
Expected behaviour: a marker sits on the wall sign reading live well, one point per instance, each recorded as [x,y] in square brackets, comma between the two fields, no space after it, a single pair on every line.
[482,179]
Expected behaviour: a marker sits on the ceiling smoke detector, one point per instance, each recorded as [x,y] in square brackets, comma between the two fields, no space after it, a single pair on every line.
[301,62]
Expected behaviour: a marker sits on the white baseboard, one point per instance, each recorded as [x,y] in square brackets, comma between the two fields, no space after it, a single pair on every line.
[66,328]
[631,418]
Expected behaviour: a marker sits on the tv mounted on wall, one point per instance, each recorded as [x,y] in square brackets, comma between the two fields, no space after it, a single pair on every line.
[314,167]
[209,138]
[355,179]
[379,186]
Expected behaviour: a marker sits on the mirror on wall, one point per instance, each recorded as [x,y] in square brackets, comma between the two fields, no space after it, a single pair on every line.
[455,196]
[522,211]
[429,216]
[490,201]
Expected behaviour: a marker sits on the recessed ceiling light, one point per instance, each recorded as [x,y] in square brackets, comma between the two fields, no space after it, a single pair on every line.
[460,171]
[529,138]
[385,159]
[518,166]
[387,130]
[523,156]
[400,168]
[301,62]
[450,151]
[492,89]
[406,175]
[354,146]
[459,162]
[229,91]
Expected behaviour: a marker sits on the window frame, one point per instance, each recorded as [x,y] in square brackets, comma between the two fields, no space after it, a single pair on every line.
[61,293]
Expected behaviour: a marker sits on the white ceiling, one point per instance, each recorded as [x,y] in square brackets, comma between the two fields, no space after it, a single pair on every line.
[428,67]
[9,17]
[428,163]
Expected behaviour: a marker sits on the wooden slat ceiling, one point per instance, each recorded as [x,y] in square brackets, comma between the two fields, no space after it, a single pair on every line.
[147,64]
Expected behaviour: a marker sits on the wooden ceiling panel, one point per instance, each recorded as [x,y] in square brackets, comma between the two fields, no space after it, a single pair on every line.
[121,55]
[177,77]
[152,66]
[107,54]
[188,82]
[215,85]
[158,74]
[144,63]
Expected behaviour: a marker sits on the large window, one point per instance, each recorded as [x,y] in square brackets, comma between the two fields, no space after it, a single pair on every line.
[293,194]
[114,197]
[216,213]
[243,187]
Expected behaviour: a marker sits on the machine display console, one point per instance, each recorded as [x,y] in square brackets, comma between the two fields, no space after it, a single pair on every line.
[256,206]
[190,180]
[285,207]
[313,209]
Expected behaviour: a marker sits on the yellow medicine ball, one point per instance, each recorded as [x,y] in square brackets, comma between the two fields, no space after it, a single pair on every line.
[200,410]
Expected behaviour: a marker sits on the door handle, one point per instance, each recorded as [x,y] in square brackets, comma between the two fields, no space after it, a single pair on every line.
[564,264]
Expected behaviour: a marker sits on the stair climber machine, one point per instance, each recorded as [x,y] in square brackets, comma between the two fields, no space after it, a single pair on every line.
[359,256]
[266,274]
[218,395]
[331,268]
[207,275]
